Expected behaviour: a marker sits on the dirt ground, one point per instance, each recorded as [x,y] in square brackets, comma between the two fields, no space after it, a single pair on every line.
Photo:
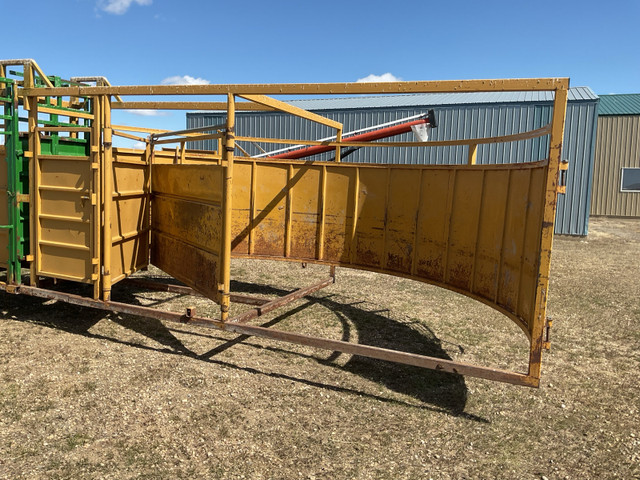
[84,394]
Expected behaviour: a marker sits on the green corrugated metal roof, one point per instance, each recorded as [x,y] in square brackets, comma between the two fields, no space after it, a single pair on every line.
[622,104]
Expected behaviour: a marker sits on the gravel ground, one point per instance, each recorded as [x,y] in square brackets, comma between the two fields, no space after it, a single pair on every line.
[84,394]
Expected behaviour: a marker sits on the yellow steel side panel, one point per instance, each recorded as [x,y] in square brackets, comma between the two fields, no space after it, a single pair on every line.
[4,210]
[473,229]
[402,216]
[129,215]
[64,216]
[65,173]
[65,263]
[531,255]
[241,201]
[305,211]
[199,182]
[186,225]
[490,233]
[129,178]
[196,268]
[55,230]
[368,245]
[270,209]
[513,240]
[339,207]
[463,228]
[128,256]
[433,224]
[193,222]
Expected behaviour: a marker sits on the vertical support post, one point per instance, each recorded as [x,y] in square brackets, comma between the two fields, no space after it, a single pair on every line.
[31,104]
[322,219]
[548,224]
[225,268]
[473,153]
[107,196]
[338,140]
[96,192]
[288,215]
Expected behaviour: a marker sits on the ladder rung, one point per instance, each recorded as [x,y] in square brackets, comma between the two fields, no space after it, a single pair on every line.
[62,157]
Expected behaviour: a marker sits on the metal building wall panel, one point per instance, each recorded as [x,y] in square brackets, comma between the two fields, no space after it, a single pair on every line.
[618,146]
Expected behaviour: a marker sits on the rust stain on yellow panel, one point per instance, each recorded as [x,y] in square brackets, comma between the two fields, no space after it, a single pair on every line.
[463,227]
[270,209]
[490,232]
[472,229]
[305,211]
[241,201]
[339,205]
[186,228]
[402,219]
[370,223]
[433,224]
[195,267]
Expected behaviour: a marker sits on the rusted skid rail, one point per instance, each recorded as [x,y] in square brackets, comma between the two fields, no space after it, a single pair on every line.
[378,353]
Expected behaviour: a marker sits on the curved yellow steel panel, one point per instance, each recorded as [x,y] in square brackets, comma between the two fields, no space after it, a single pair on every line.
[473,229]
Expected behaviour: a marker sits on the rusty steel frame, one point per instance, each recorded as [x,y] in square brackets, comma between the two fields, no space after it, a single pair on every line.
[378,353]
[256,100]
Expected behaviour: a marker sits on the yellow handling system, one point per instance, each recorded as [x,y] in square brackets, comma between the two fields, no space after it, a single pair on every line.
[97,214]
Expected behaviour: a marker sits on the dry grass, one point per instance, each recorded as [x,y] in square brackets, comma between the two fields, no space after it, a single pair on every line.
[89,395]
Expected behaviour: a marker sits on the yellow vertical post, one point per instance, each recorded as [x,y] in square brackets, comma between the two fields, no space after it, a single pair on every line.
[338,140]
[96,194]
[473,153]
[107,197]
[225,268]
[31,104]
[548,223]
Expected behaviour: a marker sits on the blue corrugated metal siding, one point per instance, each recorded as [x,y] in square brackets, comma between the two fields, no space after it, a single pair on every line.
[456,120]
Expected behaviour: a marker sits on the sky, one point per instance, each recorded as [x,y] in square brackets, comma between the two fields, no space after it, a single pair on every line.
[145,42]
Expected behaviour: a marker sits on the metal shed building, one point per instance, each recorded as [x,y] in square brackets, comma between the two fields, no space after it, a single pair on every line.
[459,116]
[616,177]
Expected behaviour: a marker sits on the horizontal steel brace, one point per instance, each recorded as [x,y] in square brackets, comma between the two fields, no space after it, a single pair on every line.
[296,338]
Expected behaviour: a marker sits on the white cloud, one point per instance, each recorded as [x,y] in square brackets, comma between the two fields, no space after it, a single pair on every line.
[120,7]
[385,77]
[139,145]
[184,80]
[147,113]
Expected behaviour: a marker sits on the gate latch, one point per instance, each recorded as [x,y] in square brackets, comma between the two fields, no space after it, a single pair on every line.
[546,343]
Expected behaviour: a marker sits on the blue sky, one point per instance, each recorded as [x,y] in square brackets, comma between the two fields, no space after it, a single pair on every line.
[135,42]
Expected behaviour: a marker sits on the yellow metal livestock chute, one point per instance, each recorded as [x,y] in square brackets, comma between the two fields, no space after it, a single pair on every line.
[482,230]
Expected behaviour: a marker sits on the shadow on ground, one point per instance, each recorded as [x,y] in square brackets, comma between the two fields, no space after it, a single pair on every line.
[435,390]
